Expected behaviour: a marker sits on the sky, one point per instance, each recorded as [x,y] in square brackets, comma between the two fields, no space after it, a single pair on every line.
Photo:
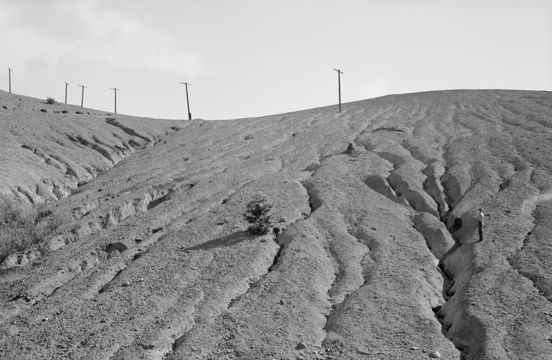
[249,58]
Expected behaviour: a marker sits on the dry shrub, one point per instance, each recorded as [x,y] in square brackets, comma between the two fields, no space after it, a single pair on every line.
[21,227]
[258,215]
[51,100]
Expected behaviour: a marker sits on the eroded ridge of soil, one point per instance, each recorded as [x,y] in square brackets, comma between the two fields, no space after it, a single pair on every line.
[375,256]
[48,150]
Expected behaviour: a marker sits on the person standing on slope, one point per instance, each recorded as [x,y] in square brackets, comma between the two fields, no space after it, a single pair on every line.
[481,221]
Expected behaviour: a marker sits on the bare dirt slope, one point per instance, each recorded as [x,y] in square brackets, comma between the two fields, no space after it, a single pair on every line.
[47,150]
[374,256]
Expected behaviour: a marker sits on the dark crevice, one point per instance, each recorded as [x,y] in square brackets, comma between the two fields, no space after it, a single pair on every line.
[55,290]
[91,145]
[447,290]
[129,131]
[107,286]
[156,230]
[116,149]
[26,194]
[158,201]
[24,297]
[138,255]
[252,285]
[456,225]
[136,145]
[179,341]
[314,200]
[281,246]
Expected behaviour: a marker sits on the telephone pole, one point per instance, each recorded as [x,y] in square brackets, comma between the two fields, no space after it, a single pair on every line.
[339,72]
[115,91]
[9,78]
[66,92]
[187,100]
[82,94]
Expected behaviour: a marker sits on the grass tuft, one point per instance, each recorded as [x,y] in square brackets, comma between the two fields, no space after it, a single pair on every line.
[21,227]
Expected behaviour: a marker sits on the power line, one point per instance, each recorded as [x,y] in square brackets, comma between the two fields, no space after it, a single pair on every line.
[187,99]
[339,72]
[115,91]
[82,94]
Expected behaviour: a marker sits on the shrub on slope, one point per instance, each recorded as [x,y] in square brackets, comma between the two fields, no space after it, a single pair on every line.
[258,215]
[21,227]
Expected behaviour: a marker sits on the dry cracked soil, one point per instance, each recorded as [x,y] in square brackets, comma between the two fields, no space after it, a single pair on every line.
[374,252]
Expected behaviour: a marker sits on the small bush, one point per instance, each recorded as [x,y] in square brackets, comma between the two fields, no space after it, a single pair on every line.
[64,111]
[51,101]
[21,228]
[258,215]
[78,112]
[352,150]
[43,110]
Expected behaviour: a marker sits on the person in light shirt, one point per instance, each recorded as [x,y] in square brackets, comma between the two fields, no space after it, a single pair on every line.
[481,221]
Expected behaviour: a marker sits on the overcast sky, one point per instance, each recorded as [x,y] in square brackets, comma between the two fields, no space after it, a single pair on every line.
[259,57]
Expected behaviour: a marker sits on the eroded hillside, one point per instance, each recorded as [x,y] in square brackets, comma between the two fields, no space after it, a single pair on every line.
[374,253]
[48,150]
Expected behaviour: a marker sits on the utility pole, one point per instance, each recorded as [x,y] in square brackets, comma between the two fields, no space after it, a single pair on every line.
[187,100]
[115,91]
[66,92]
[82,94]
[9,78]
[339,72]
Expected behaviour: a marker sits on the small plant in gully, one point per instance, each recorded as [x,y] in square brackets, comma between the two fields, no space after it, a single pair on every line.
[257,215]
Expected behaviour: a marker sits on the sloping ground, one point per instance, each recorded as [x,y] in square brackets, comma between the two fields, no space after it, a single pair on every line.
[47,150]
[375,255]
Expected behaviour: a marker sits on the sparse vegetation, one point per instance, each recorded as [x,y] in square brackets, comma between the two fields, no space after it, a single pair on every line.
[352,150]
[79,112]
[258,215]
[21,227]
[51,101]
[43,110]
[64,111]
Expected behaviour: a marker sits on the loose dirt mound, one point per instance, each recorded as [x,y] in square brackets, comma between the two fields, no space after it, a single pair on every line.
[375,255]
